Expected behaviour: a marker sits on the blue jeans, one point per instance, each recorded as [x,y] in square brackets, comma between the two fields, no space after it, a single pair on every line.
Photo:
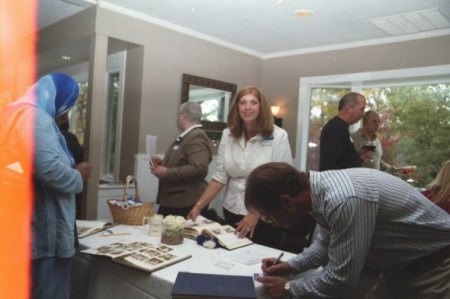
[51,278]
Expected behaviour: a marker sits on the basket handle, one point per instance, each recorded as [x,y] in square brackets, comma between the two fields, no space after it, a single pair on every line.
[131,179]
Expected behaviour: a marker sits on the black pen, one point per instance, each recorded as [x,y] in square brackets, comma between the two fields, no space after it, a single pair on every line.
[278,259]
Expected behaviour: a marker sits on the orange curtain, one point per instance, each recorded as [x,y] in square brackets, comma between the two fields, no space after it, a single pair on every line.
[18,34]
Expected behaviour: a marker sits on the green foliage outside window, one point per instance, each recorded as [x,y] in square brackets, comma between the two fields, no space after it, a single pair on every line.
[414,130]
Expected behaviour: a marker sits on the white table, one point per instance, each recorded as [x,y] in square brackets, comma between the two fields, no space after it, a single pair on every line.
[97,277]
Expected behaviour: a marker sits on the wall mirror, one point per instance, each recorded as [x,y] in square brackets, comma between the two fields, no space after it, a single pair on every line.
[215,98]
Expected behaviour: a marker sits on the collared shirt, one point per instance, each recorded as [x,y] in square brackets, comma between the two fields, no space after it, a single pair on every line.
[236,160]
[365,217]
[358,140]
[189,129]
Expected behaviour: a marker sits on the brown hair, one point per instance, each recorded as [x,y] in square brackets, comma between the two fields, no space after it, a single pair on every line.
[441,184]
[264,123]
[267,182]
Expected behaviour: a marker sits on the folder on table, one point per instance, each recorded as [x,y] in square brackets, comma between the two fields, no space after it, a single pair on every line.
[212,286]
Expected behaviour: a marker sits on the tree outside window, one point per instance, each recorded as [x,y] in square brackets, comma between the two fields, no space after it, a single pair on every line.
[414,129]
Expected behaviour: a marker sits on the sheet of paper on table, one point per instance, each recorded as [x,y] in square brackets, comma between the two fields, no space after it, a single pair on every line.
[247,256]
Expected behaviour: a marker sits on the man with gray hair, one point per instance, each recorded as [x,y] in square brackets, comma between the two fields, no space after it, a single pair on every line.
[183,170]
[336,147]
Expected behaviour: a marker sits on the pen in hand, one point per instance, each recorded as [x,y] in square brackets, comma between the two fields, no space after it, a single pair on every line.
[277,260]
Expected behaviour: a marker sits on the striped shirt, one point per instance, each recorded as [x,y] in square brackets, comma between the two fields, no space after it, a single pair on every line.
[365,217]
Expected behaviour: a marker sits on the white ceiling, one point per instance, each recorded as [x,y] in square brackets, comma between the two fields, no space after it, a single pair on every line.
[269,28]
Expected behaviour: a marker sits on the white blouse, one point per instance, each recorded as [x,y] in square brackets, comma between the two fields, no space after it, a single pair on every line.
[236,160]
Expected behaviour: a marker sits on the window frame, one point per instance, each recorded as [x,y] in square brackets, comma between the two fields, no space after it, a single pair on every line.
[357,82]
[115,65]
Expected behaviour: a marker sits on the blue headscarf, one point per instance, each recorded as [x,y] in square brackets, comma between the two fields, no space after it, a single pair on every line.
[56,94]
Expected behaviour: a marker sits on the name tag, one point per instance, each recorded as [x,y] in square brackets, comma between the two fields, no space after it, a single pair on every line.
[267,141]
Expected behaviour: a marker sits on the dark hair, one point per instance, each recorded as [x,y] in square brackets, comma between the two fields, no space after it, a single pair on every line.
[265,119]
[267,182]
[349,99]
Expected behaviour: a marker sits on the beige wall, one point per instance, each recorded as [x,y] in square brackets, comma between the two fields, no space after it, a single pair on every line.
[160,56]
[167,55]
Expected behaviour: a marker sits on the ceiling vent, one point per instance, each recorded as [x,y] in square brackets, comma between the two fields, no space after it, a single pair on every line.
[414,22]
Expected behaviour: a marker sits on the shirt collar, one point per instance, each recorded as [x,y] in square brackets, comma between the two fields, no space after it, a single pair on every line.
[361,133]
[189,129]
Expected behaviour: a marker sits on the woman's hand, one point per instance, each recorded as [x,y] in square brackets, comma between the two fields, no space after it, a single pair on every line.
[247,225]
[85,169]
[195,211]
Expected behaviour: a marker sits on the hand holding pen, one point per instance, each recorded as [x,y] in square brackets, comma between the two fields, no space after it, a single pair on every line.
[277,260]
[271,266]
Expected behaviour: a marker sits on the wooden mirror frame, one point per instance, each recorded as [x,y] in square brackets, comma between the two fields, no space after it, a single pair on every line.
[213,128]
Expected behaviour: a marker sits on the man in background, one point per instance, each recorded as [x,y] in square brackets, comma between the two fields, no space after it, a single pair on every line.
[368,133]
[336,147]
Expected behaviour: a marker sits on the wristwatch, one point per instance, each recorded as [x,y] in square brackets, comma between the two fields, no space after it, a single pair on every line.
[287,290]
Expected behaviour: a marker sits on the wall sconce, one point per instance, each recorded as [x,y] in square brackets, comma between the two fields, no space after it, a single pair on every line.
[277,120]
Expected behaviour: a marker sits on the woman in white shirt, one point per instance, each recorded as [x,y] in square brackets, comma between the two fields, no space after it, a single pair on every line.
[250,139]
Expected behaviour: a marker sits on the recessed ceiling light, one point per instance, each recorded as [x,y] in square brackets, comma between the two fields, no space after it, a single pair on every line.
[66,57]
[303,12]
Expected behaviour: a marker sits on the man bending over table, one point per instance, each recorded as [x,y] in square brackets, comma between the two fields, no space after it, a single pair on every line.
[365,217]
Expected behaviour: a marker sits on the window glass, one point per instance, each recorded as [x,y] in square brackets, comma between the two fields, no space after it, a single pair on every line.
[414,128]
[77,115]
[324,105]
[110,158]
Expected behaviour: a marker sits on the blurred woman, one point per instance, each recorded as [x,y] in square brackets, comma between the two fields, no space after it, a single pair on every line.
[250,139]
[439,190]
[56,179]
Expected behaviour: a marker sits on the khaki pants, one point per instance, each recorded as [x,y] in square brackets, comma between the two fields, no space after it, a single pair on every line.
[398,284]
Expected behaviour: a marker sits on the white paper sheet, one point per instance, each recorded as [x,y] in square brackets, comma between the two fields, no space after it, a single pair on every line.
[150,142]
[248,256]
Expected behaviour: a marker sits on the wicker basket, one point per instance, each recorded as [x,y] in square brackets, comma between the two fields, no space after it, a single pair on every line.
[129,214]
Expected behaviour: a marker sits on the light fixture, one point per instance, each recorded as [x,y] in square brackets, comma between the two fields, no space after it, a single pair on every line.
[303,12]
[64,57]
[276,120]
[275,110]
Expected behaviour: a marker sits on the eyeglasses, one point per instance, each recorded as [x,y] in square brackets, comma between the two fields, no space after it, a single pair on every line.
[269,219]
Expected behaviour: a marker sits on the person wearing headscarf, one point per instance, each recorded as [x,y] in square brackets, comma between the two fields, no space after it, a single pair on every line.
[55,177]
